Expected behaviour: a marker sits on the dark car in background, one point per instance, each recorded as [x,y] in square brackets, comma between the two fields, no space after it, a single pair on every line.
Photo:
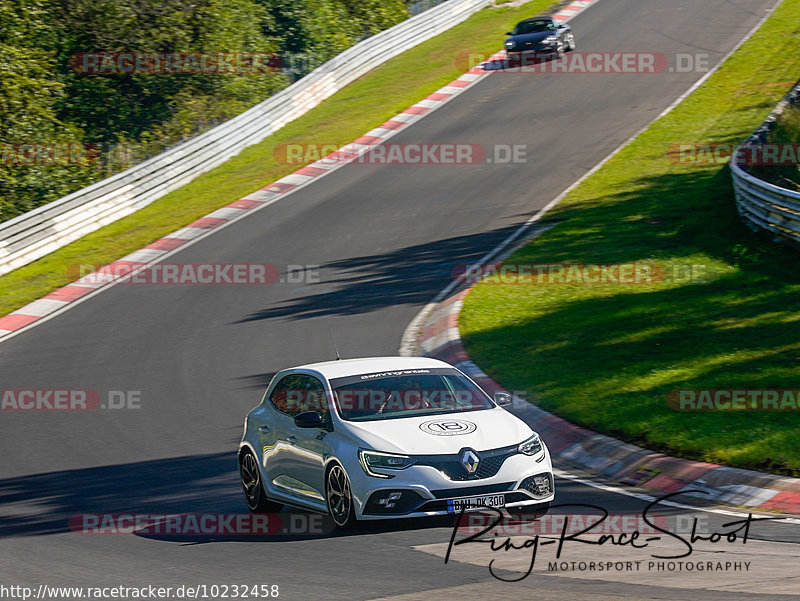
[540,35]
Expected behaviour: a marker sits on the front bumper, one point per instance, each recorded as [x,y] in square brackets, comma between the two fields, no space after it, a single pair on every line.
[538,50]
[424,490]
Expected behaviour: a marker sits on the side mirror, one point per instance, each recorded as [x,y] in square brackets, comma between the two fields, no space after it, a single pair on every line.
[509,33]
[562,26]
[309,419]
[502,398]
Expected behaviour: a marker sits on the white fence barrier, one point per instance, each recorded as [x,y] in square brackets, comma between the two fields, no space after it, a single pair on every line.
[49,227]
[760,204]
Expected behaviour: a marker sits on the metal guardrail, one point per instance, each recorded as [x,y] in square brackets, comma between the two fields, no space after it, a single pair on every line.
[765,206]
[49,227]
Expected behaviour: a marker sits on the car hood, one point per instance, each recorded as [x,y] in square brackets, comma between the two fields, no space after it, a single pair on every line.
[429,435]
[534,38]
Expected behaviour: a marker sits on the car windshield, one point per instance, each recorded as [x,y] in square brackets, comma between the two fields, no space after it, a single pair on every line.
[533,27]
[406,393]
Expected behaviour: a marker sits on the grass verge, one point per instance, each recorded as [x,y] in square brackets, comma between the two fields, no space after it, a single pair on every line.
[606,356]
[361,106]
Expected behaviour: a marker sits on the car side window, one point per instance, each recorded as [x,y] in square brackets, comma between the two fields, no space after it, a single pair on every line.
[315,398]
[297,393]
[286,392]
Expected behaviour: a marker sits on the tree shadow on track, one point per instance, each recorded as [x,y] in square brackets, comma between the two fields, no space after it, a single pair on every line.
[101,500]
[411,275]
[44,503]
[185,491]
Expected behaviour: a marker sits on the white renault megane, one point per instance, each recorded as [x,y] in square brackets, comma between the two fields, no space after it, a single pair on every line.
[389,437]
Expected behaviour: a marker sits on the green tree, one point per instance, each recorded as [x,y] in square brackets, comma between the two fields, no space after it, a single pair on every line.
[310,32]
[129,104]
[47,98]
[31,173]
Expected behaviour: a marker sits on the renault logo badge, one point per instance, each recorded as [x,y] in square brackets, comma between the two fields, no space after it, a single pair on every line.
[470,461]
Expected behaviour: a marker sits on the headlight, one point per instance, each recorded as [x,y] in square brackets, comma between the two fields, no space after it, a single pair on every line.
[509,44]
[551,39]
[387,461]
[532,446]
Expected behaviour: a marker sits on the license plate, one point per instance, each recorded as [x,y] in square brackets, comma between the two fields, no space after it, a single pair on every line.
[456,505]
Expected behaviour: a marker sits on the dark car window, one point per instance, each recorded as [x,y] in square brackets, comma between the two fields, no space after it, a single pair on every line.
[407,393]
[314,398]
[296,393]
[283,391]
[533,27]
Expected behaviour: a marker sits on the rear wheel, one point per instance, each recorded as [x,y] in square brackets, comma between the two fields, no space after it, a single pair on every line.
[257,500]
[339,497]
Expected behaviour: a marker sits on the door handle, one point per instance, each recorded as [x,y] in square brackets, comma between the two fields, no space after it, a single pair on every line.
[263,428]
[292,439]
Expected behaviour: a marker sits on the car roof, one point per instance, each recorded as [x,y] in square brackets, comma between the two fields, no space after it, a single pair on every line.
[536,19]
[368,365]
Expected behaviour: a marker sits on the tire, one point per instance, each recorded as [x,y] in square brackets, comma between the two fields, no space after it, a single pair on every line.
[339,497]
[254,496]
[529,512]
[569,42]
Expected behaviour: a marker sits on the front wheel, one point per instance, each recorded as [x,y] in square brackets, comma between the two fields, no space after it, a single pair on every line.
[257,501]
[569,43]
[339,497]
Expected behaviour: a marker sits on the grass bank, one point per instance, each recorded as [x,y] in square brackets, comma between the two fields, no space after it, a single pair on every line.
[607,355]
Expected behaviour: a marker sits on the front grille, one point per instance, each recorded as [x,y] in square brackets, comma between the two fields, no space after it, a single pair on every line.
[489,463]
[471,491]
[540,485]
[434,506]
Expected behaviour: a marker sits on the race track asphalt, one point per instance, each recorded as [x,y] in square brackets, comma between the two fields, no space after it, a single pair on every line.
[386,238]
